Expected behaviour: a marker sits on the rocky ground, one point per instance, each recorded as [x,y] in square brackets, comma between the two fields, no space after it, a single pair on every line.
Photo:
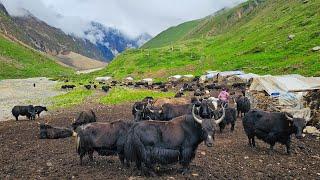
[24,156]
[22,92]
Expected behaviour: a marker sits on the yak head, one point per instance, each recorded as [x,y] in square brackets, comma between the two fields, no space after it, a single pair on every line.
[43,130]
[204,109]
[139,113]
[153,113]
[44,108]
[208,126]
[298,124]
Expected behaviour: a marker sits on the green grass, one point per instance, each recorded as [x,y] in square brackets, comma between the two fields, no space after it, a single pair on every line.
[257,43]
[171,35]
[69,99]
[17,61]
[122,95]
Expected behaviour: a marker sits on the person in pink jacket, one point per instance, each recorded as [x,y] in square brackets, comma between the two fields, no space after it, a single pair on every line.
[224,96]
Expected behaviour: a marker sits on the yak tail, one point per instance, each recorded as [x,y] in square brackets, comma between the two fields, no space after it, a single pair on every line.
[79,141]
[94,115]
[134,149]
[78,144]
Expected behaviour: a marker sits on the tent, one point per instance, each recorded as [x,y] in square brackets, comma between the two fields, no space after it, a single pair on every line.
[289,89]
[222,76]
[106,78]
[246,77]
[129,79]
[175,78]
[149,81]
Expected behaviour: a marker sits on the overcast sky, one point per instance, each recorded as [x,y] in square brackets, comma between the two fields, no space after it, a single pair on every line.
[130,16]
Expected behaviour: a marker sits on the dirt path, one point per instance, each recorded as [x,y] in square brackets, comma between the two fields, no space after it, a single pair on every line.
[21,92]
[24,156]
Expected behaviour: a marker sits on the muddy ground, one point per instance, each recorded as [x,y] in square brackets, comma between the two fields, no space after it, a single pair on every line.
[24,156]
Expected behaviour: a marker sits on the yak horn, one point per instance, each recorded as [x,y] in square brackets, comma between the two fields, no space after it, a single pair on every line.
[222,117]
[195,117]
[138,110]
[289,118]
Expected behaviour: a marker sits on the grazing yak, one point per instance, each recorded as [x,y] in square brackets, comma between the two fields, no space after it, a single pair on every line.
[105,88]
[39,109]
[243,105]
[230,118]
[272,127]
[88,86]
[84,117]
[169,111]
[104,138]
[50,132]
[140,107]
[158,142]
[68,86]
[179,94]
[28,111]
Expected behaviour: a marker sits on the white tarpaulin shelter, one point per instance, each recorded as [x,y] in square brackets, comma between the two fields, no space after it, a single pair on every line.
[188,76]
[246,77]
[107,78]
[230,73]
[290,89]
[175,78]
[212,74]
[129,79]
[148,80]
[222,76]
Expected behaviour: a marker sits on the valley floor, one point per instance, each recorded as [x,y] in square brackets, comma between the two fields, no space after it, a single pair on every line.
[24,156]
[22,92]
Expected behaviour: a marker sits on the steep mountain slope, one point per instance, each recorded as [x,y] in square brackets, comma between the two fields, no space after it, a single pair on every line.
[220,22]
[79,62]
[111,41]
[265,37]
[18,61]
[43,37]
[100,42]
[172,35]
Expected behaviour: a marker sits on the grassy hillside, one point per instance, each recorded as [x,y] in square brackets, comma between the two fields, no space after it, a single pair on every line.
[17,61]
[252,37]
[219,22]
[171,35]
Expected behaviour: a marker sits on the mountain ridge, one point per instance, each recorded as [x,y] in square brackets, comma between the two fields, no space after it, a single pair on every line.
[263,37]
[41,36]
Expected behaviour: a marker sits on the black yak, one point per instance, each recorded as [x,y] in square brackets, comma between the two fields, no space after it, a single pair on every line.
[39,109]
[272,127]
[159,142]
[84,117]
[28,111]
[50,132]
[104,138]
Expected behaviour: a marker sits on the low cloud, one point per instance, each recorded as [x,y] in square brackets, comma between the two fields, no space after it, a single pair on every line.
[131,17]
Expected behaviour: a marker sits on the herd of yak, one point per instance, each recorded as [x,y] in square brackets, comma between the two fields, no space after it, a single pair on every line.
[168,131]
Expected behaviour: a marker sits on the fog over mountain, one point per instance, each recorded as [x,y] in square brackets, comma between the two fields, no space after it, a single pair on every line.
[132,18]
